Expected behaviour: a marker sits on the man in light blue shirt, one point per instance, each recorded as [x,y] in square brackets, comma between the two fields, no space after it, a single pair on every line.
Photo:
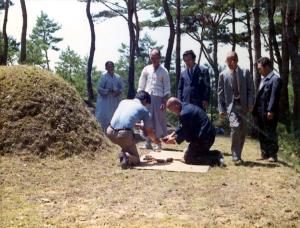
[120,130]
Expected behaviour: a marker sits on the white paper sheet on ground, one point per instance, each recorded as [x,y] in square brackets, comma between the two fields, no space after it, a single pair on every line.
[175,166]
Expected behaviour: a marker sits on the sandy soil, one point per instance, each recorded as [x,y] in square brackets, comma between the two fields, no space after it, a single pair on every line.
[78,192]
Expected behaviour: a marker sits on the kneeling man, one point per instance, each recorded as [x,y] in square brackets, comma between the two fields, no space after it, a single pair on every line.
[120,130]
[196,128]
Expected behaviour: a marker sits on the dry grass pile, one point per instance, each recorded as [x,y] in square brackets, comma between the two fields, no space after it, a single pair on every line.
[41,114]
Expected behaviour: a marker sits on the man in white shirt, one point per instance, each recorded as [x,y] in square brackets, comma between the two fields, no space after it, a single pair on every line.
[155,80]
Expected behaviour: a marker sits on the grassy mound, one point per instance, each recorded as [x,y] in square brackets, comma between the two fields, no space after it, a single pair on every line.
[41,114]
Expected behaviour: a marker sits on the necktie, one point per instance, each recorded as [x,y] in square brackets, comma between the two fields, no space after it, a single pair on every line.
[190,72]
[235,85]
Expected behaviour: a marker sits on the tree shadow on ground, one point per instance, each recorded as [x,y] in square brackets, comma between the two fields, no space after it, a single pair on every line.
[259,164]
[172,149]
[226,154]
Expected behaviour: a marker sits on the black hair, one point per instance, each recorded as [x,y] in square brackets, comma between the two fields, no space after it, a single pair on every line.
[109,62]
[189,52]
[265,61]
[143,96]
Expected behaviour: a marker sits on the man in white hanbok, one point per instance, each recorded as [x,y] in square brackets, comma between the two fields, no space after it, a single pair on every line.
[109,89]
[155,80]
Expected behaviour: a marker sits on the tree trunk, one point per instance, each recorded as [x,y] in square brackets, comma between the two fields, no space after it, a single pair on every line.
[178,33]
[248,16]
[215,61]
[257,43]
[4,52]
[24,31]
[292,23]
[91,56]
[47,59]
[284,110]
[137,34]
[171,35]
[131,6]
[271,28]
[233,28]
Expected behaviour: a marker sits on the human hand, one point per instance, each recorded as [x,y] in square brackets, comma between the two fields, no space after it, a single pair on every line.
[162,107]
[205,104]
[222,114]
[168,139]
[139,126]
[270,115]
[250,108]
[157,141]
[115,93]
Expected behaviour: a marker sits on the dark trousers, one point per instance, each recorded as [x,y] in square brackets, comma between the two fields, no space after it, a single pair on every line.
[198,153]
[268,138]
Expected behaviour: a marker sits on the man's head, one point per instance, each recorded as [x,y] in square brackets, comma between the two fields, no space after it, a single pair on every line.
[189,58]
[232,60]
[144,97]
[155,57]
[264,66]
[110,67]
[174,105]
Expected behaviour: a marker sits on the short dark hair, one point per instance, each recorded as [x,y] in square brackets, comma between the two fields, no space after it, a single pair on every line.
[189,52]
[265,61]
[143,96]
[109,62]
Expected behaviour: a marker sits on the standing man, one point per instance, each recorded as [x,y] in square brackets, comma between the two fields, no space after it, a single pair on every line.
[194,83]
[196,128]
[266,109]
[120,130]
[235,99]
[109,89]
[155,80]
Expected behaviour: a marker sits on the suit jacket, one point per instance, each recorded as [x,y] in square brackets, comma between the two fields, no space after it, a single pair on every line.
[267,98]
[225,90]
[194,89]
[194,125]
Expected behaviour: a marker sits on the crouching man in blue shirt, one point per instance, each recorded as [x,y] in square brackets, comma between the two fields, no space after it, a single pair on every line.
[196,128]
[120,130]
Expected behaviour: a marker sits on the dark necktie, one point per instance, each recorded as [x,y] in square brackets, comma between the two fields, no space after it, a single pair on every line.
[235,84]
[190,72]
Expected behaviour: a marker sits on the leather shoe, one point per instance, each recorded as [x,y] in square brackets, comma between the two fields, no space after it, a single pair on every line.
[124,161]
[221,163]
[238,162]
[262,158]
[272,159]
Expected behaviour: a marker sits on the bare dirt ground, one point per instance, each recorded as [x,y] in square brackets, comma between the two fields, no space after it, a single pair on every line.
[77,192]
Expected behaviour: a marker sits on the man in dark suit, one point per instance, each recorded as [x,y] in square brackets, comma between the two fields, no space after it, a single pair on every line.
[266,109]
[194,83]
[196,128]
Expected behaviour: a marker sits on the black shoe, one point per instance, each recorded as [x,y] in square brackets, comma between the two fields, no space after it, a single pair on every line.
[221,163]
[272,159]
[238,162]
[124,161]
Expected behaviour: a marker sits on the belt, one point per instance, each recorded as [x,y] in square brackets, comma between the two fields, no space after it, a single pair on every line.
[121,129]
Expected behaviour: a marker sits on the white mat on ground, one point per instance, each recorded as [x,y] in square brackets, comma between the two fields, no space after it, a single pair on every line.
[176,166]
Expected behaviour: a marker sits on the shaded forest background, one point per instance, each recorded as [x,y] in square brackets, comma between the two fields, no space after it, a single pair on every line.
[272,25]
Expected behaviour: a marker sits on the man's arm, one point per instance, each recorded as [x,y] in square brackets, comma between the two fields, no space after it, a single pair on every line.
[150,133]
[221,96]
[101,86]
[142,80]
[275,93]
